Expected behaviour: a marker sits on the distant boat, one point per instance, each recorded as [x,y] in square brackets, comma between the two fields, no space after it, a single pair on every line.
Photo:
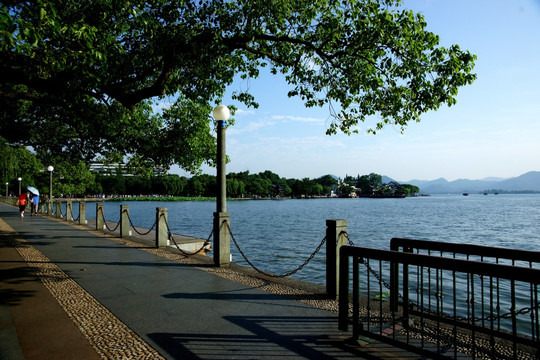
[465,194]
[485,193]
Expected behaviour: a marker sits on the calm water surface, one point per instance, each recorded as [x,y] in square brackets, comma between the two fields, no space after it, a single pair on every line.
[279,235]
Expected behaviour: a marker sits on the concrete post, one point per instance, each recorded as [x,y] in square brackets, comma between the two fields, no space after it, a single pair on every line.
[162,233]
[124,221]
[58,209]
[69,206]
[49,207]
[335,239]
[100,224]
[82,213]
[222,239]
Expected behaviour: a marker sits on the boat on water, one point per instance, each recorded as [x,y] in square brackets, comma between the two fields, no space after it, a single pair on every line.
[465,194]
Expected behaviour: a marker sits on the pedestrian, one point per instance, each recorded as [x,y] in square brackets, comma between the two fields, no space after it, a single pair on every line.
[34,204]
[21,201]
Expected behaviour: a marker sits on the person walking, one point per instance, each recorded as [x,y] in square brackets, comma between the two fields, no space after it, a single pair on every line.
[34,204]
[21,201]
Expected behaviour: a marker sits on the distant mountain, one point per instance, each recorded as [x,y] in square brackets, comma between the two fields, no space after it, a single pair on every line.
[526,182]
[493,179]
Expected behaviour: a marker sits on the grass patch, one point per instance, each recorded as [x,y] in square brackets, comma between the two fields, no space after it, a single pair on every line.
[163,198]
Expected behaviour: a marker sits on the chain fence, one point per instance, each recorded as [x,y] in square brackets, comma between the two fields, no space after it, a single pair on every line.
[137,231]
[61,213]
[182,251]
[73,217]
[289,273]
[105,221]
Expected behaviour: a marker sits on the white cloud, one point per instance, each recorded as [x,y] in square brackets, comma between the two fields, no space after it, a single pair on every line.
[242,112]
[290,118]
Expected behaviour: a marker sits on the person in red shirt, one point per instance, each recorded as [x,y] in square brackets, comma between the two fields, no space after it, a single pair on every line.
[21,201]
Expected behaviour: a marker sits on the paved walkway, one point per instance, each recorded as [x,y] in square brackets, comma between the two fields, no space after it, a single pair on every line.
[99,298]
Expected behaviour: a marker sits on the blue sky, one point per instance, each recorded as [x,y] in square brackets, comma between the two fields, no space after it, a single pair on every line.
[492,131]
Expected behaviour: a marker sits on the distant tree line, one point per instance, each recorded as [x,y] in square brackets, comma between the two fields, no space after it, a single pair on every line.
[242,184]
[74,178]
[372,184]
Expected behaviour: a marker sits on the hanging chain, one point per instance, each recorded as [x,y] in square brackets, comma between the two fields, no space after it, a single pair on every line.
[186,253]
[270,274]
[73,217]
[105,222]
[370,269]
[138,232]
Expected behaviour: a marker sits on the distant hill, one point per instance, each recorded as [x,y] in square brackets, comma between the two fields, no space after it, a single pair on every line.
[526,182]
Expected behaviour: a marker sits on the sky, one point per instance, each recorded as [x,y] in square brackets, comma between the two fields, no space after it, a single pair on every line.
[492,131]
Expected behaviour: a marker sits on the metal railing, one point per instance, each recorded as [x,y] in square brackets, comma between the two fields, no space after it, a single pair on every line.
[481,253]
[446,307]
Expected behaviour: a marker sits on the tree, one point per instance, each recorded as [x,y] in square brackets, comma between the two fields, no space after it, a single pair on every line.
[327,180]
[74,178]
[363,184]
[375,180]
[409,189]
[18,162]
[82,75]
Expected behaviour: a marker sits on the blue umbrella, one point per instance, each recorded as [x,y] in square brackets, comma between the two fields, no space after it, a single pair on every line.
[33,190]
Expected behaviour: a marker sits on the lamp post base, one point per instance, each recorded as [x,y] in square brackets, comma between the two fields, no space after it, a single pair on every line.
[222,239]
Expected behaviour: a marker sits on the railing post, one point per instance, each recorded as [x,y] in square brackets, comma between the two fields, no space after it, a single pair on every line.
[343,309]
[222,239]
[124,221]
[162,233]
[82,212]
[99,216]
[69,206]
[49,207]
[58,209]
[335,239]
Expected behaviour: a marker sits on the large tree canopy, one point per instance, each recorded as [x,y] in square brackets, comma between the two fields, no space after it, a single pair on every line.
[78,76]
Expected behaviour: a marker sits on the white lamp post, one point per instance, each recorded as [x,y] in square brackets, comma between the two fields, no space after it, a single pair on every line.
[20,179]
[222,248]
[50,168]
[221,114]
[7,187]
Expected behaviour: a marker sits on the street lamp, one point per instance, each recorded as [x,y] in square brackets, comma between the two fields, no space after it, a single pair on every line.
[49,210]
[50,168]
[221,114]
[222,248]
[20,179]
[7,185]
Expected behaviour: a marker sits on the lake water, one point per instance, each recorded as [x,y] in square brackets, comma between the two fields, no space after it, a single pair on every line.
[279,235]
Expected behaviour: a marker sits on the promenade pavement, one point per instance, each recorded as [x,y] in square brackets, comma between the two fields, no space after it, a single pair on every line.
[72,294]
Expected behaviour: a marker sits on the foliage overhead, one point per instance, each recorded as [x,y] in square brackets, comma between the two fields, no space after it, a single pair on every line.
[80,76]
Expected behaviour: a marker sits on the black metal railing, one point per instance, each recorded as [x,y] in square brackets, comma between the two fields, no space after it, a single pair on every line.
[446,307]
[481,253]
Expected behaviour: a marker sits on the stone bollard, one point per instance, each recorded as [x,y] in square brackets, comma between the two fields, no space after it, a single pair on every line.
[69,206]
[222,239]
[100,216]
[124,221]
[58,209]
[162,233]
[82,213]
[335,239]
[49,207]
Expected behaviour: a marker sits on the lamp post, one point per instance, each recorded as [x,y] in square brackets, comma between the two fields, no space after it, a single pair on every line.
[20,179]
[222,248]
[7,185]
[49,210]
